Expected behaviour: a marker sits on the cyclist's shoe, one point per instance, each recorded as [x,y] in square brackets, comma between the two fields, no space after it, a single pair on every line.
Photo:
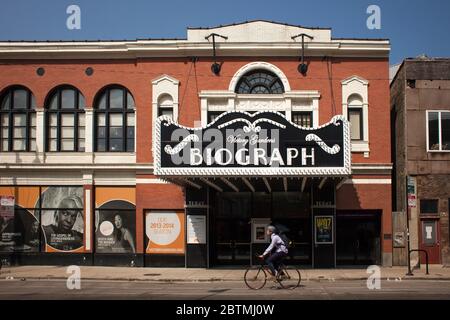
[282,277]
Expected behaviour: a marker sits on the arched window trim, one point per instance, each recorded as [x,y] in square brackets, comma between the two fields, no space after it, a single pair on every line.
[246,78]
[59,112]
[259,65]
[107,111]
[358,86]
[10,111]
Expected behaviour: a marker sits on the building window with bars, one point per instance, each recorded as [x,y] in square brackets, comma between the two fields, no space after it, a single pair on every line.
[114,114]
[304,119]
[17,120]
[65,120]
[260,82]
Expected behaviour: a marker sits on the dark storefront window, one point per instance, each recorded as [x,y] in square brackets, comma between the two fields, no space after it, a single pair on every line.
[262,203]
[428,206]
[358,239]
[290,212]
[291,205]
[438,130]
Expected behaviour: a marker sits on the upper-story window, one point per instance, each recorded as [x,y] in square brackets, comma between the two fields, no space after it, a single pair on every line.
[114,120]
[165,106]
[355,106]
[302,118]
[213,115]
[438,130]
[260,82]
[17,120]
[355,116]
[65,120]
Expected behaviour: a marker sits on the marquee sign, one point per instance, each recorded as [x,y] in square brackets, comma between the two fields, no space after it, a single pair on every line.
[259,144]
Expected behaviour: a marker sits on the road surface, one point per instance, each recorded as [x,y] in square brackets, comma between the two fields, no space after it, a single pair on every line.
[223,290]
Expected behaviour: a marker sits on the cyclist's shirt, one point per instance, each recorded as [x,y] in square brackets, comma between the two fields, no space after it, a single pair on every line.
[276,243]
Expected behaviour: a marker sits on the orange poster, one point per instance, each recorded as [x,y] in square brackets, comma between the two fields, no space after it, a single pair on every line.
[115,220]
[165,232]
[19,224]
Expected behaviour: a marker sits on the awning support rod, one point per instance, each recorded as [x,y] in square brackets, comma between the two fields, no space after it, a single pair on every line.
[230,184]
[267,184]
[212,185]
[322,183]
[248,184]
[192,184]
[341,183]
[304,183]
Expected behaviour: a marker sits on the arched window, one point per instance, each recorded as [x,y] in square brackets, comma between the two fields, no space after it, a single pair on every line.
[17,120]
[65,120]
[114,120]
[165,106]
[260,82]
[355,116]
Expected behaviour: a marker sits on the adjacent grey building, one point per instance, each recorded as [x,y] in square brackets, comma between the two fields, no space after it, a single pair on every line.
[420,117]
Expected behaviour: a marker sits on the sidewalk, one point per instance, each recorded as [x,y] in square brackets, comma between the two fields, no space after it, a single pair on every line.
[437,272]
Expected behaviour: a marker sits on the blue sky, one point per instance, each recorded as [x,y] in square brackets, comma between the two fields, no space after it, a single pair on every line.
[414,27]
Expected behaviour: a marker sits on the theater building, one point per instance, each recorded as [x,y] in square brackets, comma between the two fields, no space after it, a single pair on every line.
[179,152]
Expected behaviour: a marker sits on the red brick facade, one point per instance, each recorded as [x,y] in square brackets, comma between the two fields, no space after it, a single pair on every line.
[137,74]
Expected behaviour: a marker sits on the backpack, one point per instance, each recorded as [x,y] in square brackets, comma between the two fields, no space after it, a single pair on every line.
[286,240]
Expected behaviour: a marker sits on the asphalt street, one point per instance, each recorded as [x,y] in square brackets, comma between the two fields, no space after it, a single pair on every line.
[224,290]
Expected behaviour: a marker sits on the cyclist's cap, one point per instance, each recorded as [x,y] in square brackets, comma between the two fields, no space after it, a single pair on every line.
[272,229]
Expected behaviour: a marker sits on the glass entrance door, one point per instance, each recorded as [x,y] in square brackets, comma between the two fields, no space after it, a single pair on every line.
[232,229]
[231,225]
[358,237]
[233,242]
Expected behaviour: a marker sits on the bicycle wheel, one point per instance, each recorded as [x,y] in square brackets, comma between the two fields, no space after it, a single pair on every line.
[289,277]
[255,278]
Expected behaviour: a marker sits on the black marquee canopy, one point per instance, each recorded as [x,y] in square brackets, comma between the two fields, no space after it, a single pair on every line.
[250,149]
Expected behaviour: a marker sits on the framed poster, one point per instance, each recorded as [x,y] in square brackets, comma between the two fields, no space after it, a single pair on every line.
[259,228]
[165,232]
[196,229]
[323,230]
[62,218]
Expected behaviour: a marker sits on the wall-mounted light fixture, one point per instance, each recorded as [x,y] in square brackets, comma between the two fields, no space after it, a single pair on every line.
[303,67]
[215,67]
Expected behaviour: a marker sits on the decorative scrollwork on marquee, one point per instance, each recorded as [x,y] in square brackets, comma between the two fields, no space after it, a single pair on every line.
[330,150]
[169,150]
[252,126]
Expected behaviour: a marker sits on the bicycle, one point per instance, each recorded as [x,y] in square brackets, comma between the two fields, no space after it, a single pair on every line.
[288,277]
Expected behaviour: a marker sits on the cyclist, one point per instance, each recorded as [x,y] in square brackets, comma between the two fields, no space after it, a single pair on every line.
[275,252]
